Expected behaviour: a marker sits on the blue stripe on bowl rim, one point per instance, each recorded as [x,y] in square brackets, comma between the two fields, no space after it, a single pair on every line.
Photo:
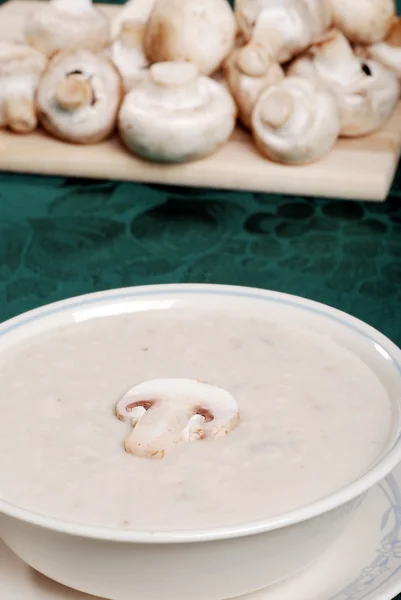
[103,297]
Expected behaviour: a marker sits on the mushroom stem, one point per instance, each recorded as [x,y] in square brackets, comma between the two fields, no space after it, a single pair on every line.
[277,109]
[20,114]
[265,34]
[334,55]
[74,92]
[253,60]
[175,84]
[157,430]
[333,48]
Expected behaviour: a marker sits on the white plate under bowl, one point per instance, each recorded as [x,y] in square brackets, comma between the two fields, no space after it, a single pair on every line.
[363,564]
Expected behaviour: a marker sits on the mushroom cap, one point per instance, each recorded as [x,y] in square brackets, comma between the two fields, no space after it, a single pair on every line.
[198,31]
[175,115]
[388,52]
[370,104]
[128,55]
[284,27]
[250,70]
[364,21]
[295,121]
[79,97]
[66,26]
[20,69]
[166,412]
[320,15]
[20,59]
[365,91]
[133,10]
[394,37]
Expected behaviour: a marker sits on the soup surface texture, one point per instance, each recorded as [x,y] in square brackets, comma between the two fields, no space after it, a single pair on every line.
[313,417]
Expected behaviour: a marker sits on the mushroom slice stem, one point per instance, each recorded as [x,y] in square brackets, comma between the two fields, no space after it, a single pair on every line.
[295,121]
[168,412]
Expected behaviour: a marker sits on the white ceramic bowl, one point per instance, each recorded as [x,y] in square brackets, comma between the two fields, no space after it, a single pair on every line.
[209,564]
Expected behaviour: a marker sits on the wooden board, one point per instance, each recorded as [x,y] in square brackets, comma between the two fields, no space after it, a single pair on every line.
[356,169]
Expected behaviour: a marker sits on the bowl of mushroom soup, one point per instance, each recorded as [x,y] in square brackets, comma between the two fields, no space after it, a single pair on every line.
[196,441]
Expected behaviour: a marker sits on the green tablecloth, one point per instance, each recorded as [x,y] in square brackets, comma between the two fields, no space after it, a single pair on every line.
[62,237]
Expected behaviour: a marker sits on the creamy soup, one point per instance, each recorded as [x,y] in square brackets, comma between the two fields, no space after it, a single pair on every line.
[313,416]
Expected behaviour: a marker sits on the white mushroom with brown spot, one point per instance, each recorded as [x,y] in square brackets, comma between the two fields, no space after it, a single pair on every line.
[128,55]
[168,412]
[250,70]
[365,91]
[283,27]
[364,21]
[79,97]
[176,115]
[66,25]
[20,70]
[387,52]
[295,122]
[198,31]
[133,10]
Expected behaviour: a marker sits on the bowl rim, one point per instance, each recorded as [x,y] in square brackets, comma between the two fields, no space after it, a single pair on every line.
[384,465]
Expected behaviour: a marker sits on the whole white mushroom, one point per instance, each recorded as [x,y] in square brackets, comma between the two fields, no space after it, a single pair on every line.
[198,31]
[364,21]
[176,115]
[79,97]
[20,70]
[64,25]
[295,122]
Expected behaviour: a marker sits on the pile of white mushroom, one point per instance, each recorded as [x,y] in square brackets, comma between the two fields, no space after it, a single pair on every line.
[174,75]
